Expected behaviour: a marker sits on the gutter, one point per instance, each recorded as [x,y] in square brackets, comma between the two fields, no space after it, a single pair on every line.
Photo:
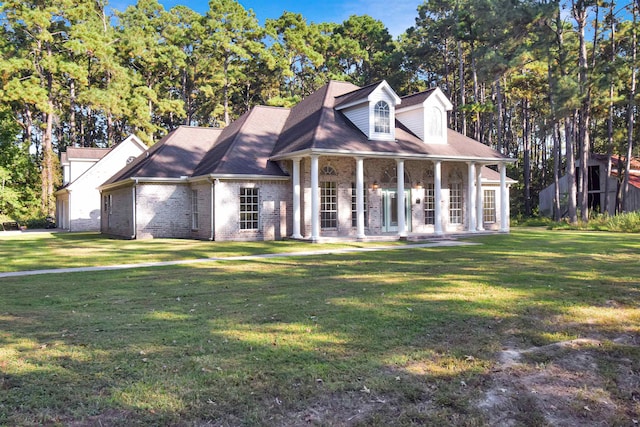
[212,236]
[406,156]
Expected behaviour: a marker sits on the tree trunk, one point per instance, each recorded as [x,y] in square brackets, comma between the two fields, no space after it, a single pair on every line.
[227,120]
[607,201]
[47,148]
[527,158]
[570,171]
[72,114]
[580,15]
[557,213]
[499,115]
[463,118]
[476,95]
[631,115]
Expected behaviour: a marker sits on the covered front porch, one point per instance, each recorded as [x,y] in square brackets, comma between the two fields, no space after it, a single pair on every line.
[383,197]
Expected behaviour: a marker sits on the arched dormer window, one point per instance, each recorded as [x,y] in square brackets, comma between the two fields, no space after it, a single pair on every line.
[435,122]
[382,118]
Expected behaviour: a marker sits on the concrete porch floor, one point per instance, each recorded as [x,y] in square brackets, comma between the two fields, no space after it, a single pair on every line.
[411,237]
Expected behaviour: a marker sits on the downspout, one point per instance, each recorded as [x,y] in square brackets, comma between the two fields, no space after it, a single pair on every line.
[212,236]
[134,224]
[69,211]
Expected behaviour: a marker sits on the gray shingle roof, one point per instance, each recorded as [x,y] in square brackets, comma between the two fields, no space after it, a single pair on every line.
[88,153]
[246,146]
[174,156]
[416,98]
[359,94]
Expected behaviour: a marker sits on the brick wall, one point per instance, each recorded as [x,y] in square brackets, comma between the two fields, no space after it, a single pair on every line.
[274,208]
[203,229]
[163,210]
[118,222]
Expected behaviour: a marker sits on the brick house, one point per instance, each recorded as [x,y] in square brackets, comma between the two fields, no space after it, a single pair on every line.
[345,161]
[83,170]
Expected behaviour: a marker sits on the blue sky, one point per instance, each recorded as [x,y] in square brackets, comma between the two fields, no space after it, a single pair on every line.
[397,15]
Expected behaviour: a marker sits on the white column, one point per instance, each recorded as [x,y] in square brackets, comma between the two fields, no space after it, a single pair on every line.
[471,200]
[402,227]
[296,199]
[437,187]
[479,200]
[315,200]
[504,199]
[360,197]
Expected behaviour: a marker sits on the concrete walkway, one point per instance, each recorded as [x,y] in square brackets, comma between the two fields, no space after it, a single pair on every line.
[232,258]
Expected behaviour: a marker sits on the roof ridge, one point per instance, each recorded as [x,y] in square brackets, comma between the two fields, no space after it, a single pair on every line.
[422,92]
[323,112]
[242,122]
[196,127]
[359,88]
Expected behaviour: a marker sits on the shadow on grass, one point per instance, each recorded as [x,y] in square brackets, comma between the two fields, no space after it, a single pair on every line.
[406,337]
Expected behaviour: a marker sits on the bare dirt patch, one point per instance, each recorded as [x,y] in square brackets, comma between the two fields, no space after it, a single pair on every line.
[564,384]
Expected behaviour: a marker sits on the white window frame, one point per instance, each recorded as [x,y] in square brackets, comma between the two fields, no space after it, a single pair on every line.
[456,203]
[429,204]
[382,118]
[354,206]
[249,208]
[328,205]
[489,206]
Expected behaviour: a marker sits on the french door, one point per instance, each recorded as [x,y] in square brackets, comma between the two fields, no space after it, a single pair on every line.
[390,210]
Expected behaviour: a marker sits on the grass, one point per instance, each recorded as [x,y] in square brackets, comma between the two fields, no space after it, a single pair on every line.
[26,251]
[407,337]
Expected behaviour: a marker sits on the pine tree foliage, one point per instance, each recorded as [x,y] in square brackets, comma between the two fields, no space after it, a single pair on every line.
[546,82]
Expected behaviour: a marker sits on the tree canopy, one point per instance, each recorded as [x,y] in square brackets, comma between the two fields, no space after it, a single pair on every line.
[554,84]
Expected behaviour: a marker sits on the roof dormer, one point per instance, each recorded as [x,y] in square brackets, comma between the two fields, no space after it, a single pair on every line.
[372,109]
[425,114]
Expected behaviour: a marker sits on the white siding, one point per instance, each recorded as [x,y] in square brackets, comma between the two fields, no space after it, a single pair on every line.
[414,120]
[432,106]
[78,167]
[84,198]
[359,116]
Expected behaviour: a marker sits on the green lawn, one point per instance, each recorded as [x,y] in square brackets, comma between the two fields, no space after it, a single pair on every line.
[411,337]
[41,251]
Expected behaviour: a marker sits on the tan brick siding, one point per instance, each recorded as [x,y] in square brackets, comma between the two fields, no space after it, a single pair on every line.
[163,210]
[274,206]
[118,222]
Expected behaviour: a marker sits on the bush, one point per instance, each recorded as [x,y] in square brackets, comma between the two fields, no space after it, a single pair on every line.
[628,222]
[536,221]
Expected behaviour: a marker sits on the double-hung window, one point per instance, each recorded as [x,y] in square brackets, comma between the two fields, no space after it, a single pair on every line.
[489,206]
[328,204]
[382,118]
[455,203]
[194,209]
[249,208]
[429,204]
[354,206]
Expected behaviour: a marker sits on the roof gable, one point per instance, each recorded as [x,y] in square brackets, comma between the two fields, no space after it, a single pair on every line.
[362,95]
[113,160]
[424,98]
